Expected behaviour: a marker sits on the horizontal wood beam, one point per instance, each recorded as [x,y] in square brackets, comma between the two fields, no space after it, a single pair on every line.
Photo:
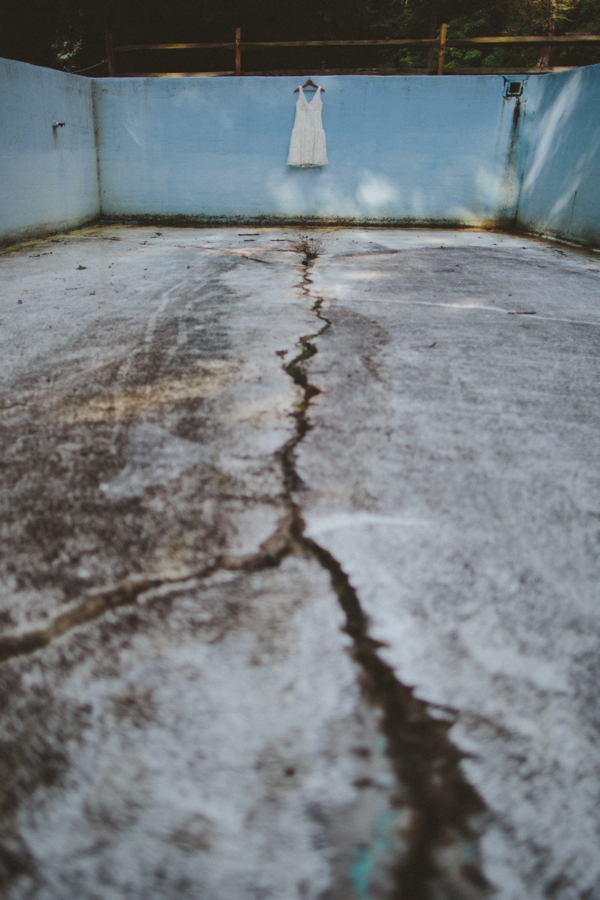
[525,39]
[128,48]
[173,74]
[424,42]
[400,42]
[482,70]
[508,70]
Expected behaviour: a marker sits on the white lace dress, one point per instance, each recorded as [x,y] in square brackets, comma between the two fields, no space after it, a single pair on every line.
[307,144]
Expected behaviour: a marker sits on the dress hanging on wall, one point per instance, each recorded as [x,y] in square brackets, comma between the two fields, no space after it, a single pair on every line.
[307,144]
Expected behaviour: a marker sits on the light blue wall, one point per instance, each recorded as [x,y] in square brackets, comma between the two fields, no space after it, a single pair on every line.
[403,150]
[48,177]
[560,193]
[407,149]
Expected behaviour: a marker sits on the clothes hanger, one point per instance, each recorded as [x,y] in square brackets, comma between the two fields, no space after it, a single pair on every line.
[309,83]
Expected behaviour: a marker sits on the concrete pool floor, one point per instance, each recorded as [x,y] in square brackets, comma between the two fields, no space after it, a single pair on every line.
[257,486]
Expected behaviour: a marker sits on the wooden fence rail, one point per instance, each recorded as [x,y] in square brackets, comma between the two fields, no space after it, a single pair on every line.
[441,43]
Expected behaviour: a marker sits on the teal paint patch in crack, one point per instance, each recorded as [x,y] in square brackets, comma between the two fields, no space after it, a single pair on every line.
[381,744]
[365,858]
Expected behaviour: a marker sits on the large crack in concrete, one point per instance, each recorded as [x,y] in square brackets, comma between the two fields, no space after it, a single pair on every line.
[128,593]
[425,761]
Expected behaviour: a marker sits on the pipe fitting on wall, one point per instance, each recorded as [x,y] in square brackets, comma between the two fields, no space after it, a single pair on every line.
[56,125]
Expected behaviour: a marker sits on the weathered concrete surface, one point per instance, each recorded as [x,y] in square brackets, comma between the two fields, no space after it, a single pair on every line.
[194,705]
[453,466]
[181,714]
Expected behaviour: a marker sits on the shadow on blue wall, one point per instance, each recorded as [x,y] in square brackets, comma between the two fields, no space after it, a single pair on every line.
[560,194]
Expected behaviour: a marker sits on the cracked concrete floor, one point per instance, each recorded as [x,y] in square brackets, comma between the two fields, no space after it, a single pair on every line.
[259,485]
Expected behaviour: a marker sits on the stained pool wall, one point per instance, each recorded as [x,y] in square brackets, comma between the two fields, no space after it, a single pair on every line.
[48,176]
[560,152]
[402,150]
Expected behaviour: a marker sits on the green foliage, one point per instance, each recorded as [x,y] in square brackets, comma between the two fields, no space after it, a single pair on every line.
[69,34]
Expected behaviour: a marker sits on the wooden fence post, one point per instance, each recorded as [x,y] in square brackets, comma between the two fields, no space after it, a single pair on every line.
[238,51]
[110,54]
[442,49]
